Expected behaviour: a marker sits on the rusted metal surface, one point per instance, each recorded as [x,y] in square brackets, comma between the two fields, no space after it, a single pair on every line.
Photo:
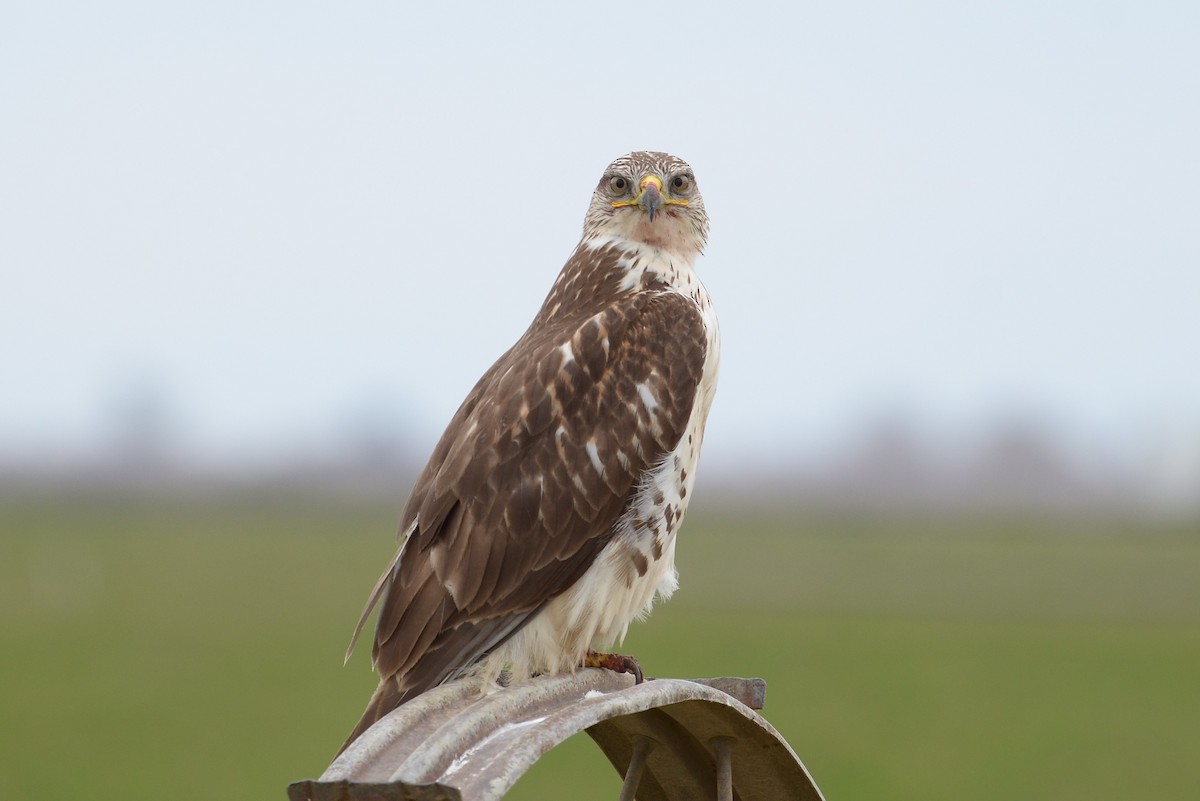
[355,791]
[672,739]
[751,692]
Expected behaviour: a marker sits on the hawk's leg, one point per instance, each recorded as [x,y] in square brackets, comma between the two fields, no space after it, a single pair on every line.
[617,663]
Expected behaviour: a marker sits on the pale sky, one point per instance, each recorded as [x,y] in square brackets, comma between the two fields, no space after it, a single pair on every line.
[278,216]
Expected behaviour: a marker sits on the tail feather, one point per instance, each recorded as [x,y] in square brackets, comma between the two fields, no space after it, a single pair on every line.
[387,696]
[452,654]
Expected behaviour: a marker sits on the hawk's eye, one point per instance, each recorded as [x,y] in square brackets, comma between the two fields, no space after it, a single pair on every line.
[618,185]
[681,183]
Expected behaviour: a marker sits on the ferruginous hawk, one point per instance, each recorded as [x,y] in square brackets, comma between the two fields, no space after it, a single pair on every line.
[545,521]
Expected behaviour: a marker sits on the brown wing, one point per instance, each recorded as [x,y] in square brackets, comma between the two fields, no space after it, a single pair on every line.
[511,510]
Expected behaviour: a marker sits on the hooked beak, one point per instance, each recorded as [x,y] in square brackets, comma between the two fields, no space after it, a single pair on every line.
[650,198]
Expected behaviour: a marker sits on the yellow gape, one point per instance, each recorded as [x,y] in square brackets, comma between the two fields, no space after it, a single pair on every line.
[650,197]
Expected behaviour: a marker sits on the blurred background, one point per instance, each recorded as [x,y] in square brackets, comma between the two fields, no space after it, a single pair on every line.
[253,255]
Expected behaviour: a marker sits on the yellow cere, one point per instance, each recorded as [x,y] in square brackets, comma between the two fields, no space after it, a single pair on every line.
[652,179]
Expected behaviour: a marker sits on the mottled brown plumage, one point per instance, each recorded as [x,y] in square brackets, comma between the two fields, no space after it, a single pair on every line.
[557,453]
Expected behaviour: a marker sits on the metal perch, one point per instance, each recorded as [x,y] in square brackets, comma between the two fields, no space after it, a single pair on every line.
[672,740]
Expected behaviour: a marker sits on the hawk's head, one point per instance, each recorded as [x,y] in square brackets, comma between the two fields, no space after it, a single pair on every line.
[651,198]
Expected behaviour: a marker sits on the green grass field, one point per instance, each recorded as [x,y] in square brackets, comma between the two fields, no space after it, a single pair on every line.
[192,650]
